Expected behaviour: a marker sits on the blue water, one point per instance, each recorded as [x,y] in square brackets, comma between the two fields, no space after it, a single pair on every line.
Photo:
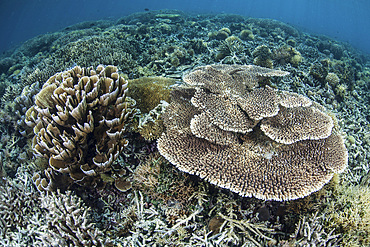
[345,20]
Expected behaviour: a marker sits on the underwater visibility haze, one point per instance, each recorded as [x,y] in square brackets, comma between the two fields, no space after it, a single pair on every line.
[185,123]
[344,20]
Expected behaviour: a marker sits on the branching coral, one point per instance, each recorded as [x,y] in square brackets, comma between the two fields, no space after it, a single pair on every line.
[79,121]
[69,223]
[310,231]
[162,182]
[253,232]
[349,214]
[20,215]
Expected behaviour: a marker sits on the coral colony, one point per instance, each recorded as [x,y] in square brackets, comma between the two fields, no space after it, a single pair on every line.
[164,128]
[255,141]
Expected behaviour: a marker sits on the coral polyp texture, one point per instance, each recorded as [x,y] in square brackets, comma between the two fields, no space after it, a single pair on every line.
[250,138]
[79,121]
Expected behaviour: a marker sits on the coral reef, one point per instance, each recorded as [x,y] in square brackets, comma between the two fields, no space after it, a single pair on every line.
[221,34]
[166,207]
[257,130]
[79,121]
[151,95]
[246,34]
[28,218]
[332,79]
[150,125]
[319,71]
[310,231]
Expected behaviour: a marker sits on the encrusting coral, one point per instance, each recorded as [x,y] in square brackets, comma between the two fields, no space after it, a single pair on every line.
[251,139]
[79,121]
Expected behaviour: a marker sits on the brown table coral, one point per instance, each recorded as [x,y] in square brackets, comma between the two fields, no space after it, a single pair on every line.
[251,139]
[79,120]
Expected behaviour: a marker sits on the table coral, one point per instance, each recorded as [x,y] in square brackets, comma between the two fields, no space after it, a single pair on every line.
[254,140]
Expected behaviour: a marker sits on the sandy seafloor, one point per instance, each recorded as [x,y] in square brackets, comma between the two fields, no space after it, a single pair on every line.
[165,207]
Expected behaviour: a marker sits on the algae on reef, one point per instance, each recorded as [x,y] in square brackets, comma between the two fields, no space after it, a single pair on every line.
[149,91]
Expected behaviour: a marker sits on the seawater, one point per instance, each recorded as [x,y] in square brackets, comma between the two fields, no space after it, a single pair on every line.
[343,20]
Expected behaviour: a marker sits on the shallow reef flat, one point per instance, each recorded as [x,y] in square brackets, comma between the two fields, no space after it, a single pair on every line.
[82,110]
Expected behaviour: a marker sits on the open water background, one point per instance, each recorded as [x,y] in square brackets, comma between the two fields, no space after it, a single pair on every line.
[345,20]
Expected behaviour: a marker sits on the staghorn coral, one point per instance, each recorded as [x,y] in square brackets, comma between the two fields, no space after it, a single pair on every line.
[349,213]
[20,216]
[259,141]
[29,218]
[310,231]
[95,44]
[231,51]
[93,50]
[79,121]
[69,223]
[26,85]
[21,104]
[156,177]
